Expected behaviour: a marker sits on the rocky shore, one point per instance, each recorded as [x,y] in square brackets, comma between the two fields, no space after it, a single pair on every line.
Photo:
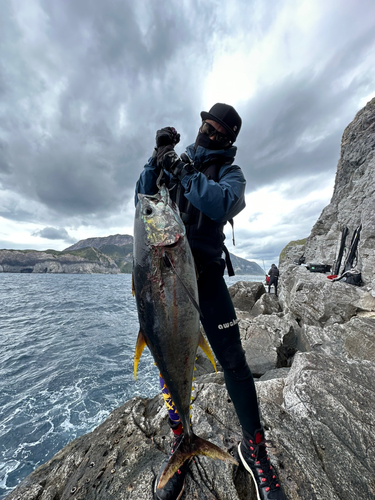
[30,261]
[312,351]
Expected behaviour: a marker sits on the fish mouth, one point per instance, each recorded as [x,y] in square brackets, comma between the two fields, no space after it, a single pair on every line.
[174,244]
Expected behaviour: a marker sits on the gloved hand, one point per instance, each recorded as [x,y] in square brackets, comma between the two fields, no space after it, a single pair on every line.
[166,156]
[169,160]
[166,136]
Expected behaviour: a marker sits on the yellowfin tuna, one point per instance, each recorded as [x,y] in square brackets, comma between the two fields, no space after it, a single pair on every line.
[165,287]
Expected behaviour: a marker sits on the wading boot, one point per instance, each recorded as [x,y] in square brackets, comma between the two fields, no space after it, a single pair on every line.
[253,454]
[175,486]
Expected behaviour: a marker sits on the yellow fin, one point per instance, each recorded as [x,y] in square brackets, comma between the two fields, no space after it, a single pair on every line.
[206,349]
[139,346]
[133,289]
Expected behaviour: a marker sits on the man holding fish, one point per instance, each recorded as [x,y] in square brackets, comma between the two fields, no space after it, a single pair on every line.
[178,284]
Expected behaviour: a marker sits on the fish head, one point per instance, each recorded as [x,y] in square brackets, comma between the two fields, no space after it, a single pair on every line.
[160,218]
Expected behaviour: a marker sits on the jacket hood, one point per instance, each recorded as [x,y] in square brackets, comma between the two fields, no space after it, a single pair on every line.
[202,155]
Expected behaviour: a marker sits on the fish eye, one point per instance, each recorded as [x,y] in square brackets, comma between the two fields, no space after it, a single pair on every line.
[148,211]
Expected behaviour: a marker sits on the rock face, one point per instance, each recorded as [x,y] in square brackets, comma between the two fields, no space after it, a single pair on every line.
[314,350]
[353,200]
[315,300]
[13,261]
[319,418]
[245,294]
[110,254]
[98,242]
[243,266]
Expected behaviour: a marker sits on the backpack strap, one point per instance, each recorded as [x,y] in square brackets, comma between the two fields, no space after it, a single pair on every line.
[228,261]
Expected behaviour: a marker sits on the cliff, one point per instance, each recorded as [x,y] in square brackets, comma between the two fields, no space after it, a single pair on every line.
[120,248]
[30,261]
[352,203]
[98,242]
[245,267]
[107,255]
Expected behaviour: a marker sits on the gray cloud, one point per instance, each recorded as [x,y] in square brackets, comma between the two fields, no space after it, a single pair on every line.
[267,243]
[85,85]
[52,233]
[294,128]
[64,132]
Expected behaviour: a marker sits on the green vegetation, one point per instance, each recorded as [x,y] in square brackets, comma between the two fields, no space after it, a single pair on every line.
[117,252]
[89,253]
[22,251]
[122,255]
[291,244]
[53,252]
[127,268]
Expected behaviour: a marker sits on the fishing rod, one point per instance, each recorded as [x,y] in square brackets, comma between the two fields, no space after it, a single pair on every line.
[337,262]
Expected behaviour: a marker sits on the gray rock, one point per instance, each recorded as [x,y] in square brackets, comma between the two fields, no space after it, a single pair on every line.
[316,300]
[353,340]
[267,304]
[14,261]
[98,242]
[244,294]
[120,459]
[334,399]
[292,251]
[269,342]
[353,200]
[319,420]
[275,374]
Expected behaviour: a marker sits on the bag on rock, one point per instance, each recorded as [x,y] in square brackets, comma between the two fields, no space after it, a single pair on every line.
[318,268]
[352,277]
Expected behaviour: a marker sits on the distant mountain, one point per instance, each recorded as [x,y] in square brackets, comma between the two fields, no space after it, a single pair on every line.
[116,239]
[119,248]
[243,266]
[109,255]
[84,261]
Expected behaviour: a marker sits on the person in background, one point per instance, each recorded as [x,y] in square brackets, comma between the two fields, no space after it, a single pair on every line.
[209,190]
[274,278]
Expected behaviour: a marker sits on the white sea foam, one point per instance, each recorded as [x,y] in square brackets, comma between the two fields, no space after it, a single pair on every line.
[66,361]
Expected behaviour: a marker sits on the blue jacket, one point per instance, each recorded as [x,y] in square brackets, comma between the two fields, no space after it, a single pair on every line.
[221,201]
[209,197]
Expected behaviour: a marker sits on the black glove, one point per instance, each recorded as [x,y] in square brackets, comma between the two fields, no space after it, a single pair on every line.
[169,160]
[166,156]
[166,136]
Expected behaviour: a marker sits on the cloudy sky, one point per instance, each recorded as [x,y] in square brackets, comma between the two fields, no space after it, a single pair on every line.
[85,84]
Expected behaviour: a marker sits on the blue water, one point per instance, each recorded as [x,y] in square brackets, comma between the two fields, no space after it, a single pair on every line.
[66,361]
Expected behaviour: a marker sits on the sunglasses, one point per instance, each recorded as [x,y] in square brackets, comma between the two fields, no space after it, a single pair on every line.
[211,131]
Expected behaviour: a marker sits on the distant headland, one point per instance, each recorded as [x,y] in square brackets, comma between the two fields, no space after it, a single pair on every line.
[105,255]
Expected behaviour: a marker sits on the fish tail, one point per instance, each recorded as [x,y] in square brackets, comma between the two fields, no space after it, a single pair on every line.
[190,447]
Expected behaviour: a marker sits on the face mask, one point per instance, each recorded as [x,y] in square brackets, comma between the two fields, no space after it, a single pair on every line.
[205,133]
[204,141]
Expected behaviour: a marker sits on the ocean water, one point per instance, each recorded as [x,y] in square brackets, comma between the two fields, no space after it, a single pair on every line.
[66,361]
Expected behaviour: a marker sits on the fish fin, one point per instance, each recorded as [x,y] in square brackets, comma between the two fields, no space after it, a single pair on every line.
[206,349]
[192,299]
[189,448]
[133,289]
[139,346]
